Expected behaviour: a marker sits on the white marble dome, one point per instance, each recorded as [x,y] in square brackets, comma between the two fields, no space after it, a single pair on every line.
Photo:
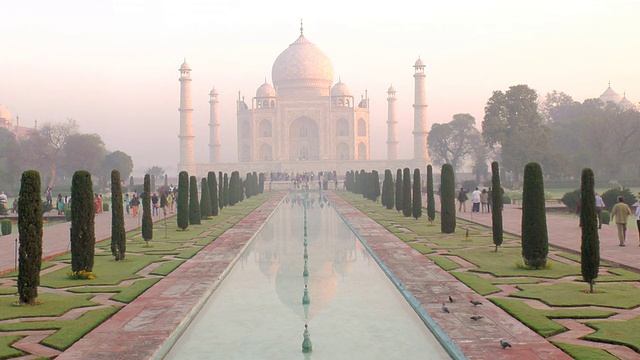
[266,90]
[302,65]
[610,95]
[340,89]
[4,113]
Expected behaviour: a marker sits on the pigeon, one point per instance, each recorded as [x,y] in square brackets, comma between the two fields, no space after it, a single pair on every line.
[476,317]
[504,344]
[450,298]
[475,303]
[445,308]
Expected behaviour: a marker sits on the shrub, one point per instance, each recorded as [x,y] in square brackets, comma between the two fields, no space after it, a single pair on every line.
[535,239]
[83,238]
[506,199]
[118,234]
[387,190]
[30,231]
[147,222]
[225,190]
[406,192]
[220,191]
[606,217]
[261,183]
[46,207]
[399,198]
[105,207]
[6,227]
[374,184]
[571,199]
[183,200]
[610,197]
[590,245]
[205,200]
[67,212]
[431,201]
[447,200]
[417,195]
[213,192]
[194,204]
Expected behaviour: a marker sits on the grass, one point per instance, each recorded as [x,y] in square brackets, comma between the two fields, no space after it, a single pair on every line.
[444,262]
[540,320]
[480,285]
[619,295]
[50,305]
[619,275]
[616,332]
[584,352]
[125,294]
[6,351]
[422,248]
[167,267]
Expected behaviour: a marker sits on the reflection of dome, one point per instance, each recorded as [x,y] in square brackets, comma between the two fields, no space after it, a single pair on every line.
[303,65]
[266,90]
[610,95]
[340,89]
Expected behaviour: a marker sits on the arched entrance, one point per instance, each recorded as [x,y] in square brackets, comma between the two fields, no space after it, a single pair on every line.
[304,140]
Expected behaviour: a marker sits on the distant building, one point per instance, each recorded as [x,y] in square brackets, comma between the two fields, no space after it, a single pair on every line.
[7,122]
[622,101]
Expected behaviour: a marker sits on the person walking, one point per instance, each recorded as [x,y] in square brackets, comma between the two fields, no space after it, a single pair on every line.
[621,213]
[489,200]
[170,199]
[127,202]
[484,200]
[60,205]
[475,198]
[599,207]
[135,202]
[154,204]
[462,200]
[638,222]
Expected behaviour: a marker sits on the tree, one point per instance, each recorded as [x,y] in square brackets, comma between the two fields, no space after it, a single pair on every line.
[535,239]
[590,246]
[147,222]
[233,189]
[220,191]
[155,172]
[453,142]
[42,148]
[118,233]
[374,185]
[205,200]
[120,161]
[11,159]
[248,183]
[225,190]
[406,192]
[496,205]
[512,121]
[83,151]
[387,190]
[30,231]
[447,200]
[183,200]
[431,201]
[261,183]
[399,197]
[213,192]
[417,195]
[83,238]
[194,205]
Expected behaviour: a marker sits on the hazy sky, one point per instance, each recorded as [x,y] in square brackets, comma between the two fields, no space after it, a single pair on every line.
[113,65]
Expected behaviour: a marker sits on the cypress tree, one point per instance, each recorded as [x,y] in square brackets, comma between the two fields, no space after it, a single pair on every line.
[205,200]
[496,205]
[83,209]
[431,200]
[261,183]
[249,185]
[194,205]
[417,194]
[118,233]
[256,184]
[225,190]
[590,247]
[213,192]
[447,200]
[147,222]
[383,196]
[406,193]
[535,239]
[183,200]
[240,189]
[374,184]
[30,232]
[364,181]
[233,189]
[390,191]
[220,191]
[399,197]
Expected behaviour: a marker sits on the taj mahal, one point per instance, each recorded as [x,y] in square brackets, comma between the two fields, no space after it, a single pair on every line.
[303,122]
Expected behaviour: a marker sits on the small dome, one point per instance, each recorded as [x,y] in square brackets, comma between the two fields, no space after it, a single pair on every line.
[391,89]
[185,66]
[266,90]
[626,104]
[213,91]
[5,114]
[419,62]
[340,89]
[610,95]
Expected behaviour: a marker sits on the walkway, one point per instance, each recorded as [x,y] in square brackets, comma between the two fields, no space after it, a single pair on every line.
[564,233]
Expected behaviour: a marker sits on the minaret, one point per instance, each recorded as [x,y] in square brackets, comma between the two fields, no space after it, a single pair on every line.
[186,124]
[392,125]
[420,115]
[214,128]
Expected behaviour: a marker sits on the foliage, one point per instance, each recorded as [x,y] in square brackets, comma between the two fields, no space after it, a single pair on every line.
[417,195]
[194,205]
[147,222]
[233,188]
[83,238]
[387,190]
[155,171]
[118,233]
[407,207]
[571,200]
[225,190]
[535,239]
[431,201]
[213,192]
[83,151]
[610,197]
[183,200]
[606,217]
[590,246]
[220,191]
[6,226]
[496,205]
[447,200]
[453,142]
[261,183]
[30,230]
[11,159]
[469,185]
[399,197]
[205,200]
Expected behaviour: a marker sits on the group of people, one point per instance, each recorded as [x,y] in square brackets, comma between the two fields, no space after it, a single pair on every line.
[620,213]
[132,203]
[481,200]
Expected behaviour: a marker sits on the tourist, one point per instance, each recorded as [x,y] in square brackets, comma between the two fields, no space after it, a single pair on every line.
[489,200]
[48,195]
[154,204]
[3,203]
[127,202]
[599,207]
[135,202]
[621,213]
[170,199]
[462,200]
[638,221]
[60,205]
[484,200]
[14,209]
[475,198]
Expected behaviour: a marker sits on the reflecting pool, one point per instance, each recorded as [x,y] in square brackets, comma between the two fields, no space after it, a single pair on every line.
[354,310]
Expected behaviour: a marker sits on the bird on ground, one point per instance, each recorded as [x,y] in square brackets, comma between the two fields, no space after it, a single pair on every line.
[450,298]
[475,303]
[504,344]
[445,308]
[476,317]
